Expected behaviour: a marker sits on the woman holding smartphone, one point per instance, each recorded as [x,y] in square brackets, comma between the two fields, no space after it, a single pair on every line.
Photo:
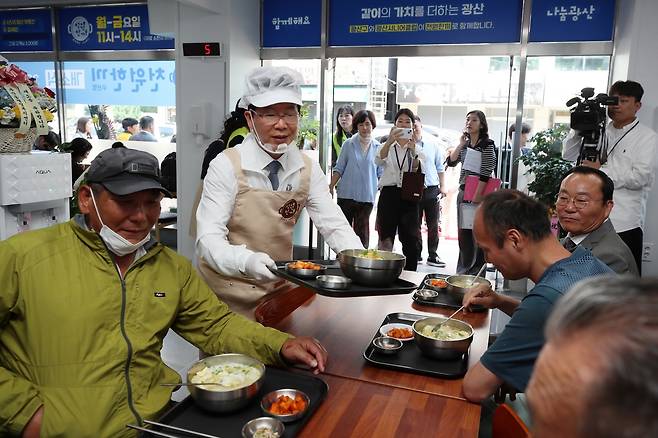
[397,155]
[476,153]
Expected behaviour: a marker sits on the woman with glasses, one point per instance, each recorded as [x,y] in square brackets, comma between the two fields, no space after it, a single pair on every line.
[399,154]
[358,173]
[254,193]
[476,153]
[344,120]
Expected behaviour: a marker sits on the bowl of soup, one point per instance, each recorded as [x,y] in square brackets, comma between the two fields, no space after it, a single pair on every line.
[458,285]
[370,267]
[447,342]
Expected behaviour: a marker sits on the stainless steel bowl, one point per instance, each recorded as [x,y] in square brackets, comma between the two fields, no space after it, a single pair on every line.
[252,426]
[371,272]
[306,273]
[387,344]
[456,284]
[427,294]
[333,281]
[438,349]
[229,400]
[428,284]
[271,397]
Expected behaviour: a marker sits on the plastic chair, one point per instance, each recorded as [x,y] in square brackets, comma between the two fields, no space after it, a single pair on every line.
[507,424]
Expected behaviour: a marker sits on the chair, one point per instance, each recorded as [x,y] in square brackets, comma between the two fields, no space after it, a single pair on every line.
[507,424]
[165,219]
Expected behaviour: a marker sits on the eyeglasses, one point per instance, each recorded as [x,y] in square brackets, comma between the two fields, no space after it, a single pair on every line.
[579,203]
[273,118]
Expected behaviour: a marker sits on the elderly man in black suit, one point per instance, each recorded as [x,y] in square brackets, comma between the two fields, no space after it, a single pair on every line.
[583,206]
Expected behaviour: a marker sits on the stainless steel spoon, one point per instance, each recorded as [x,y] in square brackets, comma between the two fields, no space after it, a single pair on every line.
[436,327]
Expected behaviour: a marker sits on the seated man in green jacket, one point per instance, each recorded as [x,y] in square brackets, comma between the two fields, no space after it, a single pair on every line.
[85,305]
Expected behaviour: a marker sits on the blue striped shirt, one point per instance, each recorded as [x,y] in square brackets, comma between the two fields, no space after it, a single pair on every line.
[358,171]
[433,164]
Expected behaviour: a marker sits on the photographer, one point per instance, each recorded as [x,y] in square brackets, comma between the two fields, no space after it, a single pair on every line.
[627,155]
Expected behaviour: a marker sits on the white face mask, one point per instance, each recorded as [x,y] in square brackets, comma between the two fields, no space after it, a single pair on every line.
[268,147]
[115,242]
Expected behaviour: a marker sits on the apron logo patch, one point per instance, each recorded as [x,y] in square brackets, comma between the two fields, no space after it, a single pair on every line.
[159,294]
[289,209]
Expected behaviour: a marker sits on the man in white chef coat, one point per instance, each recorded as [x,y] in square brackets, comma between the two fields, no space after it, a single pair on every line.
[254,193]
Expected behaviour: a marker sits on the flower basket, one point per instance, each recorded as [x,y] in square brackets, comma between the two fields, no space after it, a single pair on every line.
[9,143]
[25,109]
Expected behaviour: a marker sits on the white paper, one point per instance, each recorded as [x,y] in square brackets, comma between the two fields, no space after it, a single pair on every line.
[473,161]
[467,215]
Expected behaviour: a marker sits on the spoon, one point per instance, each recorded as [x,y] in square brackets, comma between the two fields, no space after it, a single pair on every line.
[191,384]
[436,327]
[484,266]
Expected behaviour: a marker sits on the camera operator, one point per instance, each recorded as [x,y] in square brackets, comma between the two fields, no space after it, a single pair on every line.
[627,155]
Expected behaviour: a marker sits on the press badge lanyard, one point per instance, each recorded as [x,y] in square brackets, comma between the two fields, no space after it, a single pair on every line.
[607,154]
[400,165]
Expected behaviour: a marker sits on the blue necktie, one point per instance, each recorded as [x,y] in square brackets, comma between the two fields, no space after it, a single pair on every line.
[273,169]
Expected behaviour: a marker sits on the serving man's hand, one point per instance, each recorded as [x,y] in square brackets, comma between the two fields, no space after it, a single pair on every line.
[481,295]
[305,350]
[256,267]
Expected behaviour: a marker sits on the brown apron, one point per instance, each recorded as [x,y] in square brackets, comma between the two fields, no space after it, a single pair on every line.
[263,220]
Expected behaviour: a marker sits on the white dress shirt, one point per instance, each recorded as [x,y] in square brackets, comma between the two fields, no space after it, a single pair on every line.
[631,166]
[220,189]
[392,174]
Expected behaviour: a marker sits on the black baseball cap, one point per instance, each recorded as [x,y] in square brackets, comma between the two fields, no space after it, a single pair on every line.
[124,171]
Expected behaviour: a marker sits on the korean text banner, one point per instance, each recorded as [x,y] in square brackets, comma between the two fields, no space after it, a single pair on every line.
[572,20]
[108,28]
[415,22]
[26,31]
[292,23]
[110,82]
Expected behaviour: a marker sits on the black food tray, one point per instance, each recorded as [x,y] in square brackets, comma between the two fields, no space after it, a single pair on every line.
[399,286]
[443,299]
[410,358]
[188,415]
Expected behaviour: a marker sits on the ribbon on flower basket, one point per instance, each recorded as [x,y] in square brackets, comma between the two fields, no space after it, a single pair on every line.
[16,83]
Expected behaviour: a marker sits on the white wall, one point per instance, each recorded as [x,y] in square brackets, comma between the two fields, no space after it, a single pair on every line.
[635,59]
[212,83]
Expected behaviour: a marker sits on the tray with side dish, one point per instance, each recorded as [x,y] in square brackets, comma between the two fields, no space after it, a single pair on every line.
[443,298]
[409,357]
[188,415]
[331,267]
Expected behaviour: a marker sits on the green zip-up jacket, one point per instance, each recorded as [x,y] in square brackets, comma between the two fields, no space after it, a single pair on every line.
[83,342]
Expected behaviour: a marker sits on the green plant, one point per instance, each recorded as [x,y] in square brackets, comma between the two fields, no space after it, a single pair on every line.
[545,163]
[308,128]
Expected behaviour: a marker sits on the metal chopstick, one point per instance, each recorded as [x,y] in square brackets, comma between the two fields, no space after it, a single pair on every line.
[179,429]
[154,432]
[166,426]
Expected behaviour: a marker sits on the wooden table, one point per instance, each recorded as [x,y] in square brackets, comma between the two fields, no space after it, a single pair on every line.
[345,326]
[355,408]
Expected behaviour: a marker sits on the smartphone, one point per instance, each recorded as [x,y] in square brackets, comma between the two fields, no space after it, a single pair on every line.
[407,133]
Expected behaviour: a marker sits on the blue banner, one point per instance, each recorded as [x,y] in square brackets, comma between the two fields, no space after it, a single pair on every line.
[26,31]
[292,23]
[572,20]
[400,22]
[111,83]
[108,28]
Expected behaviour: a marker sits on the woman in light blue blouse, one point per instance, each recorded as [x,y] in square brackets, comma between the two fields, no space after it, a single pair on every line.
[357,169]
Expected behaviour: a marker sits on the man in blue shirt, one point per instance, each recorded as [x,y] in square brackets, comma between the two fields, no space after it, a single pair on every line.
[429,205]
[513,230]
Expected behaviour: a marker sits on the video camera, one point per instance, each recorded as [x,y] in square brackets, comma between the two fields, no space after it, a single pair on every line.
[588,117]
